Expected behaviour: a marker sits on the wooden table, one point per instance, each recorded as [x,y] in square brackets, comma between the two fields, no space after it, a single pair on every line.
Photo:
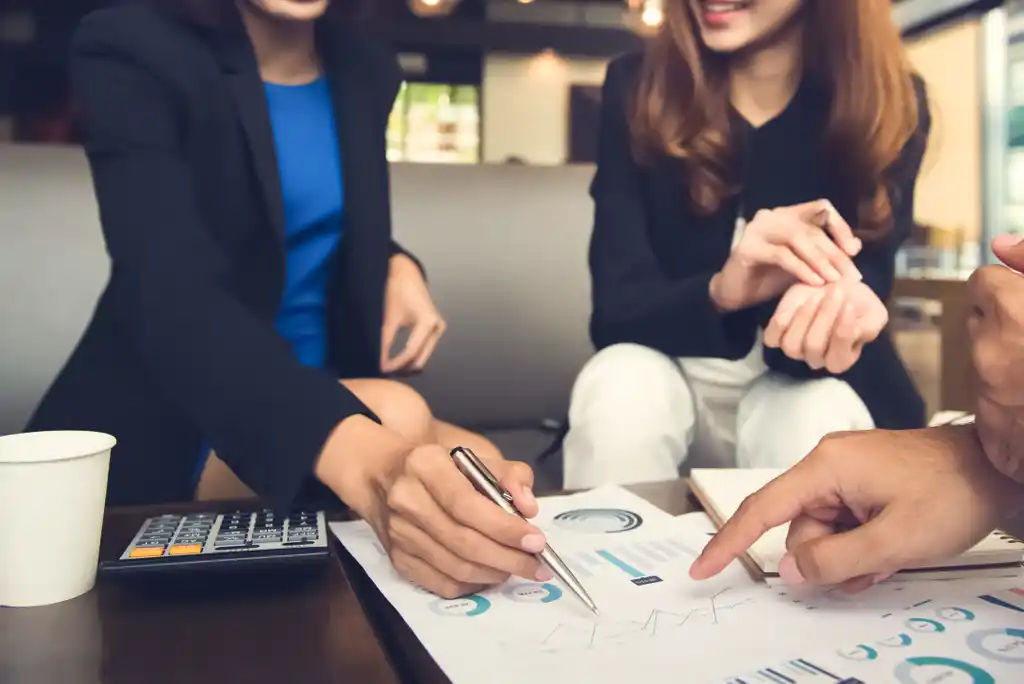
[328,628]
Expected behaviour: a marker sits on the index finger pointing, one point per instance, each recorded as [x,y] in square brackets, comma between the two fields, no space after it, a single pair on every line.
[777,503]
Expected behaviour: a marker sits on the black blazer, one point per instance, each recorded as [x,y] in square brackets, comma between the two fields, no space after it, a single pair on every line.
[652,257]
[182,346]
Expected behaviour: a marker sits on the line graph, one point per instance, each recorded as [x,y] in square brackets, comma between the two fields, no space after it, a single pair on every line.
[584,636]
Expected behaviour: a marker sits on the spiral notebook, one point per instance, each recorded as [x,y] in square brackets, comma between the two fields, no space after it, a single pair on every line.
[721,491]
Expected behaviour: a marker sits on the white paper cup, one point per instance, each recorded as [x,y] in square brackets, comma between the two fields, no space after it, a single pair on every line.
[52,491]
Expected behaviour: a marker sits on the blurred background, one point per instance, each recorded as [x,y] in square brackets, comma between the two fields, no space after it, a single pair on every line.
[517,83]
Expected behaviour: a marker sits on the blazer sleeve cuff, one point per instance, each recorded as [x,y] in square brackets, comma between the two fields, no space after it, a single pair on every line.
[282,479]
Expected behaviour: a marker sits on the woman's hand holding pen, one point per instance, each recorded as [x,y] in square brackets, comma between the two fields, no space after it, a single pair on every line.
[442,534]
[784,246]
[827,327]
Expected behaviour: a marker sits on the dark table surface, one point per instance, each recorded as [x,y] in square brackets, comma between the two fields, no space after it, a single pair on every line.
[331,627]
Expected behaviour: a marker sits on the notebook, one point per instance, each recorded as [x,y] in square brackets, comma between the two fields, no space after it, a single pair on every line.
[721,491]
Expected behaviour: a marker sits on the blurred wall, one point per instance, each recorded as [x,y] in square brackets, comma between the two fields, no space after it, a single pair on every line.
[526,104]
[949,191]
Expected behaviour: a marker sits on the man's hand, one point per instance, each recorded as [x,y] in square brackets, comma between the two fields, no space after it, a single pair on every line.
[996,327]
[827,327]
[864,505]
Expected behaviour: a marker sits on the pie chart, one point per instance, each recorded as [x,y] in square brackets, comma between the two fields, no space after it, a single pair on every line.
[955,614]
[946,670]
[925,625]
[898,641]
[861,652]
[532,593]
[1002,645]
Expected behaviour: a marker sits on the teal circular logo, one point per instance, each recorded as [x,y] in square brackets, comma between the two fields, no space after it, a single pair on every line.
[598,520]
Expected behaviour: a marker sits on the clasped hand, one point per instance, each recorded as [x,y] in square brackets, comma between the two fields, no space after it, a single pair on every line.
[804,253]
[827,326]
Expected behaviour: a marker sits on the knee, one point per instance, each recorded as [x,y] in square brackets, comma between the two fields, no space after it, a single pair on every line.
[630,369]
[400,408]
[630,380]
[828,400]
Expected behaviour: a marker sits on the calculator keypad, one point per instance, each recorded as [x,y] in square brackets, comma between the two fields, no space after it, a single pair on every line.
[207,533]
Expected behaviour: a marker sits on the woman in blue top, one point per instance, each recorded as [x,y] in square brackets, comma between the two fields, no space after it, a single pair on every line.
[238,154]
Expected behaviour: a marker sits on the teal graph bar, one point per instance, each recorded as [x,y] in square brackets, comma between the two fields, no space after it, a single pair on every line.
[620,564]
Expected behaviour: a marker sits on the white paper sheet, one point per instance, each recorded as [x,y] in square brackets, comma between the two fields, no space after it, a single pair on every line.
[964,635]
[656,624]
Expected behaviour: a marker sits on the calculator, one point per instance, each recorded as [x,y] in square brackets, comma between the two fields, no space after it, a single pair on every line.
[236,541]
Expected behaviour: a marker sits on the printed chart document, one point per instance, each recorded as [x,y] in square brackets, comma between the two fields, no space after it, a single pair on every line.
[656,624]
[959,637]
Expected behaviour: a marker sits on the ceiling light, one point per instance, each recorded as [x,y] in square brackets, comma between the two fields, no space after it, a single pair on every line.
[432,8]
[645,16]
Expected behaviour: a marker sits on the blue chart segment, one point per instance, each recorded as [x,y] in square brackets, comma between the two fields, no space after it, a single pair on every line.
[1011,600]
[619,563]
[939,669]
[1002,645]
[467,606]
[638,559]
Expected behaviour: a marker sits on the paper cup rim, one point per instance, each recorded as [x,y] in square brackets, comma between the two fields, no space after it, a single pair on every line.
[53,446]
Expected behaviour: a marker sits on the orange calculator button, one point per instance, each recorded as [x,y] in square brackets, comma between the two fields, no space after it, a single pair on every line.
[147,552]
[186,549]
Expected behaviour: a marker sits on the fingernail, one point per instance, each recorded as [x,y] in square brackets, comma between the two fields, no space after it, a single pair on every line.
[833,273]
[544,574]
[533,543]
[856,274]
[528,496]
[789,572]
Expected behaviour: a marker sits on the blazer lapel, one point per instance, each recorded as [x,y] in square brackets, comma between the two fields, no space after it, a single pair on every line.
[250,100]
[357,124]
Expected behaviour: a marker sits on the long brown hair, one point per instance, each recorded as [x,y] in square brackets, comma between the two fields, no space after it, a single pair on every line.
[852,47]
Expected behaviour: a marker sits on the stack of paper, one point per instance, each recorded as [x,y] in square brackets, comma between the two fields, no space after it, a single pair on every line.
[656,624]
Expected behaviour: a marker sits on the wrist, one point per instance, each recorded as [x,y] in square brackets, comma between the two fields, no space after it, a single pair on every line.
[715,294]
[356,459]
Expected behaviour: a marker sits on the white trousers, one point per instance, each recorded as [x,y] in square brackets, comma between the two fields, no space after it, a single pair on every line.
[637,417]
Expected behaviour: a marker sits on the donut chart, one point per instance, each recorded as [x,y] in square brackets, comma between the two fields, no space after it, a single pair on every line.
[467,606]
[1001,645]
[925,625]
[933,667]
[598,520]
[955,614]
[532,593]
[860,652]
[898,641]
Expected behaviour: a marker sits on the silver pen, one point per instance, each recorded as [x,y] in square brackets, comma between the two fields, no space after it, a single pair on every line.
[476,472]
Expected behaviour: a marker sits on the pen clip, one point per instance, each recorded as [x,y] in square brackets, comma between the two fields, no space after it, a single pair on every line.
[475,461]
[483,479]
